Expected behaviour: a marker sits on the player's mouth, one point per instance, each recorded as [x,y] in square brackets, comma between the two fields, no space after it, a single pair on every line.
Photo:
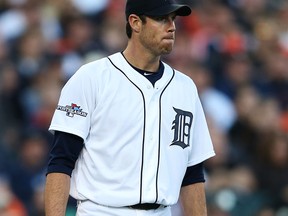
[168,38]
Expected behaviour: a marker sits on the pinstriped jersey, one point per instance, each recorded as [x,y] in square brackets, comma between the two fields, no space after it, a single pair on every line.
[139,139]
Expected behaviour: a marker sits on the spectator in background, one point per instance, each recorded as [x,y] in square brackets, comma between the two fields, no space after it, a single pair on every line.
[237,72]
[12,24]
[10,109]
[4,52]
[76,43]
[218,106]
[277,78]
[31,55]
[10,205]
[272,168]
[41,96]
[242,134]
[29,168]
[90,7]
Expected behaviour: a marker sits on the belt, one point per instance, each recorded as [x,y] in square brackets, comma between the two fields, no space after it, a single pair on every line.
[146,206]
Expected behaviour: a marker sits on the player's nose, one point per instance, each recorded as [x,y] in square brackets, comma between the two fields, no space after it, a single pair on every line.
[171,26]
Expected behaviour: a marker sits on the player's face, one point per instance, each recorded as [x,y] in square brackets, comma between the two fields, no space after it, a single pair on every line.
[158,34]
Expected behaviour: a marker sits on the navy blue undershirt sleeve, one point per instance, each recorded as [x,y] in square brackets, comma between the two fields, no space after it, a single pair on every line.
[194,174]
[64,153]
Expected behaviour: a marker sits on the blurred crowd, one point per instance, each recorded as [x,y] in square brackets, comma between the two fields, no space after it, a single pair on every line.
[236,51]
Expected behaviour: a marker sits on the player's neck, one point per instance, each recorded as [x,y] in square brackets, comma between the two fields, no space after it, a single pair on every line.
[141,59]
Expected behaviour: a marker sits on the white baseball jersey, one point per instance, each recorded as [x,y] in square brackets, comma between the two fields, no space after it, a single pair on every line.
[139,139]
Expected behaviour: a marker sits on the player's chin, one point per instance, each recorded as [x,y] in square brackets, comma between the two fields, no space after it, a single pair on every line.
[167,50]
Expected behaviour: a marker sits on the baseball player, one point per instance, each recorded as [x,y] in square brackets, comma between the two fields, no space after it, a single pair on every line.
[130,135]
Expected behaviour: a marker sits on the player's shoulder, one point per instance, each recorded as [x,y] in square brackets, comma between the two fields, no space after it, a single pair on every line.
[95,68]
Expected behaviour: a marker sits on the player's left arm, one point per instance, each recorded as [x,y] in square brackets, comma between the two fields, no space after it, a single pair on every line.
[192,194]
[193,200]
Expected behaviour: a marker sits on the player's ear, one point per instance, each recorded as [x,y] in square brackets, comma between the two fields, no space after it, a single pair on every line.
[135,22]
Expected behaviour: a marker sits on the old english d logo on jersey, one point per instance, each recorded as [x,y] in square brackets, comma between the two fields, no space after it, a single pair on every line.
[181,126]
[72,110]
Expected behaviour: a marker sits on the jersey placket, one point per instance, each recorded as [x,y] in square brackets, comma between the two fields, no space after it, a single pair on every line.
[151,147]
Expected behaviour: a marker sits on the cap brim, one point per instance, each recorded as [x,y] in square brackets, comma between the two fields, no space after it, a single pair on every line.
[180,10]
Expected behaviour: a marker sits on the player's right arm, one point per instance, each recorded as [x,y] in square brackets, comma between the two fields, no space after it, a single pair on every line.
[56,194]
[63,155]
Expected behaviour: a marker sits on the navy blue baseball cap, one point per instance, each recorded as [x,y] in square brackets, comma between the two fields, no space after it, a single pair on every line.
[156,8]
